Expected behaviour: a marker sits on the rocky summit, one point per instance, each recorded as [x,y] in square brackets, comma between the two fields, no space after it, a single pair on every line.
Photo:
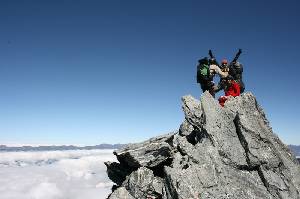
[218,152]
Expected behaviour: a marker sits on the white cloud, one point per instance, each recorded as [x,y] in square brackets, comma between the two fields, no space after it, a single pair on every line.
[45,190]
[73,175]
[46,157]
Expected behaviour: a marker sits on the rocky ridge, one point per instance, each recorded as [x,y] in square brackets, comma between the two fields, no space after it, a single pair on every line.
[217,152]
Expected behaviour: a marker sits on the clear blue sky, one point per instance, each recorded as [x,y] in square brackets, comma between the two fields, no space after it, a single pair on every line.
[89,72]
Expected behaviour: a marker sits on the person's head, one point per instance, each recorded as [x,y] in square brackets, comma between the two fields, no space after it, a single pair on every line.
[224,62]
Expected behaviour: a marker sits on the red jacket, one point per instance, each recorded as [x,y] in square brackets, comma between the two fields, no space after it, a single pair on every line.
[233,89]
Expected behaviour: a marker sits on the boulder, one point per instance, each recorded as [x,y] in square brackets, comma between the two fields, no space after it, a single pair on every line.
[143,184]
[151,153]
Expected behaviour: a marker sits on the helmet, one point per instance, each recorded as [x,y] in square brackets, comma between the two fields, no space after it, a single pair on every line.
[224,61]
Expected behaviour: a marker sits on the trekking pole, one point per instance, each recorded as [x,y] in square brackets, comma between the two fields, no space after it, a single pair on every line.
[236,57]
[212,58]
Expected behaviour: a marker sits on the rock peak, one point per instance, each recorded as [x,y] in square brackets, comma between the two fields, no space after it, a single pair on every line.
[217,152]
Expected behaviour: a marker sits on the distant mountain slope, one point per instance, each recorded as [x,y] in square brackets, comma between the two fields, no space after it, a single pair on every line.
[59,148]
[295,149]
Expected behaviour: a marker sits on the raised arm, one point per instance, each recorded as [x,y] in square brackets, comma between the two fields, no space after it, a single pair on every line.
[236,57]
[218,70]
[212,59]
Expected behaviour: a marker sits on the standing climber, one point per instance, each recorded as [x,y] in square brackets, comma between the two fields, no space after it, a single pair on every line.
[225,70]
[205,76]
[221,70]
[231,88]
[236,71]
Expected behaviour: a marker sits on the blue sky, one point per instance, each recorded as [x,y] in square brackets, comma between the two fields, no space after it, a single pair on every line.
[89,72]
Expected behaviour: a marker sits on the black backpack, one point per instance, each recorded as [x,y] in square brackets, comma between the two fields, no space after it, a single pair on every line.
[236,71]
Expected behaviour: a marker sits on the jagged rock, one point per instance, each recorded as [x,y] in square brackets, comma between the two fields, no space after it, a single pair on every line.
[206,182]
[143,184]
[218,152]
[117,172]
[186,128]
[121,193]
[276,164]
[150,153]
[193,110]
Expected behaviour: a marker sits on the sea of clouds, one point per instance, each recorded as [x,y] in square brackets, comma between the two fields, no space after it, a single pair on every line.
[74,174]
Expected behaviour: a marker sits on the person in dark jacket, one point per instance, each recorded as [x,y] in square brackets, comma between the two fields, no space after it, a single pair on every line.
[205,76]
[236,71]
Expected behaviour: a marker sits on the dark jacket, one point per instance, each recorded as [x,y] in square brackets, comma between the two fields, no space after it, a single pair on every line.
[236,71]
[203,74]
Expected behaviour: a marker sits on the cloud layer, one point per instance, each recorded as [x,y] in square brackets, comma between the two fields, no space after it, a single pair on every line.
[55,174]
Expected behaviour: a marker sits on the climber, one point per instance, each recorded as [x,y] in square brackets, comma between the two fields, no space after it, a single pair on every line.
[234,68]
[236,71]
[231,88]
[205,76]
[223,74]
[214,66]
[221,70]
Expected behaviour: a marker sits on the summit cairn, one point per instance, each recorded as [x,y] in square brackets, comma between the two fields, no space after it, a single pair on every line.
[218,152]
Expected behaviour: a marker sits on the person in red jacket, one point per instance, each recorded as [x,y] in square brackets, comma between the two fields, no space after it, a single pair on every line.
[232,88]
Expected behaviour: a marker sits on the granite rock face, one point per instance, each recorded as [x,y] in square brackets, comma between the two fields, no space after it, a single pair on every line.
[217,152]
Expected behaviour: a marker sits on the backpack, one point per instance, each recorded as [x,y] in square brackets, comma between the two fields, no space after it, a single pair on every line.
[236,70]
[202,70]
